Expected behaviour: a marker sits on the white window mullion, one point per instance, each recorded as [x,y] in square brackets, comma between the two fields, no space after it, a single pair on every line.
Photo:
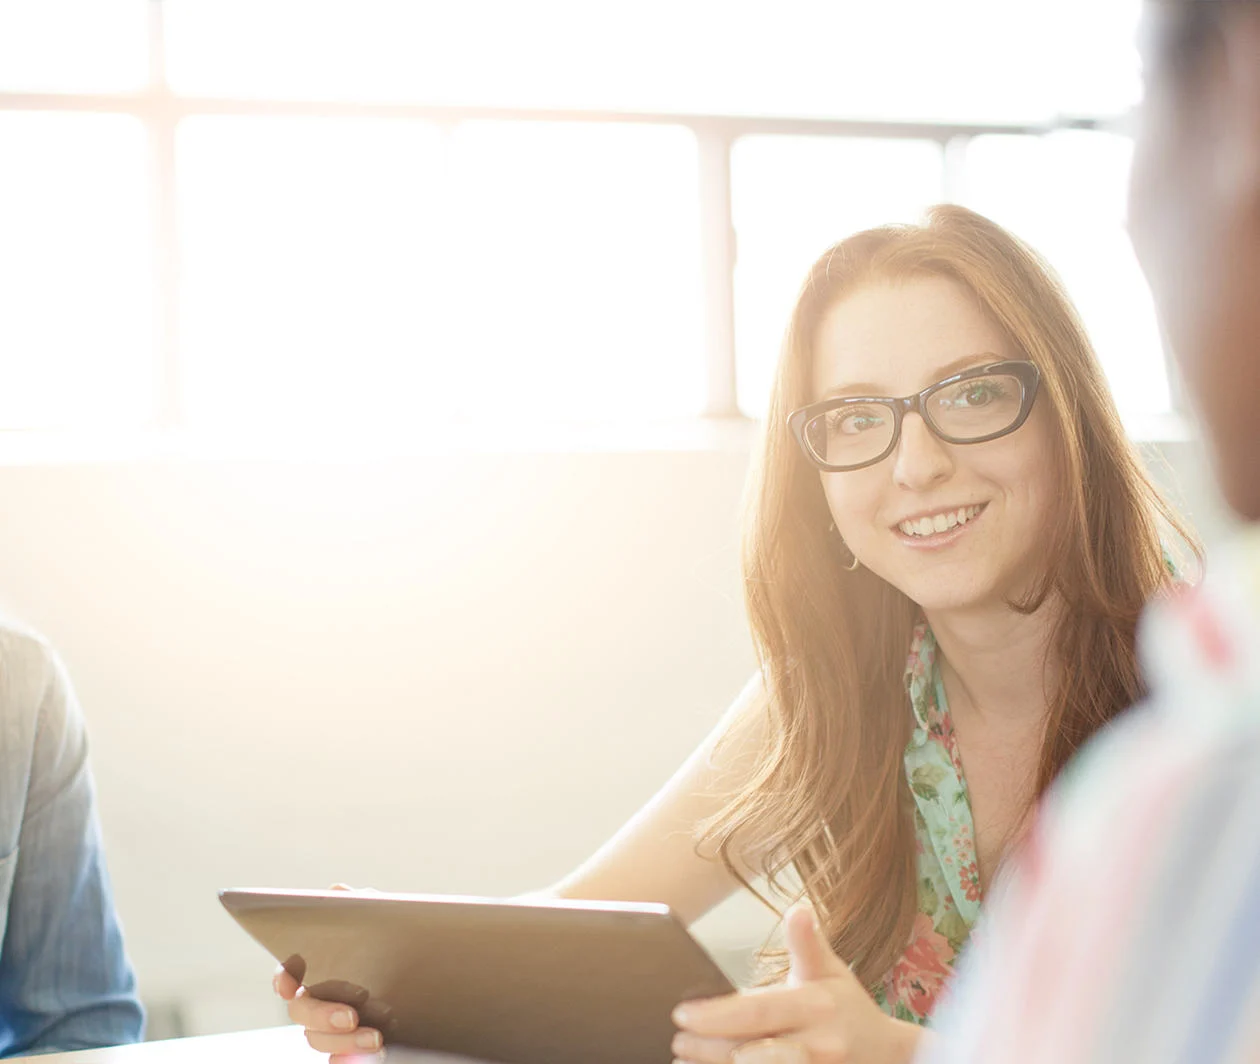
[161,118]
[955,169]
[717,250]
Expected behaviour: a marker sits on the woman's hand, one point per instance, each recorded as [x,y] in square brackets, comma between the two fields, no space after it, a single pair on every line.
[330,1027]
[822,1016]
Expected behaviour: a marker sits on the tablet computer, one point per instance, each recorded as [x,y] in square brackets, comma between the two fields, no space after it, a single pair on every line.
[512,981]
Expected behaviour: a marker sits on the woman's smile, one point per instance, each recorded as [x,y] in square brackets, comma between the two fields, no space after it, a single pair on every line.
[935,529]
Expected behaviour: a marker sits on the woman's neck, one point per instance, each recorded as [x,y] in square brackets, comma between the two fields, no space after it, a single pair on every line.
[998,660]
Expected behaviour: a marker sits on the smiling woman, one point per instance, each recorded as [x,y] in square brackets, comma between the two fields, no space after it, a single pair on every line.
[1000,526]
[949,544]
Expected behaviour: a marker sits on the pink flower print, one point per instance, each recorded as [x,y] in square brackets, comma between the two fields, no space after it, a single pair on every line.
[964,844]
[923,969]
[969,875]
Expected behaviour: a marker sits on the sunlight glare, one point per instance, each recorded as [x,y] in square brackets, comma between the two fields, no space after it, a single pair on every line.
[76,282]
[1065,194]
[792,198]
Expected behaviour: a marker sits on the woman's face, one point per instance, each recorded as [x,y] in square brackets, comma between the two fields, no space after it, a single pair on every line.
[895,339]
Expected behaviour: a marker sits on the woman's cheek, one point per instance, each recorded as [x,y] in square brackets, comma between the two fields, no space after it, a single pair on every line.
[856,525]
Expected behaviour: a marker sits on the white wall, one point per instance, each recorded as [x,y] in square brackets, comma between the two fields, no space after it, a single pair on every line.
[446,673]
[439,673]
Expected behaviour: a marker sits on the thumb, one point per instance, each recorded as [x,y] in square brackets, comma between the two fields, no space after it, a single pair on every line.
[809,952]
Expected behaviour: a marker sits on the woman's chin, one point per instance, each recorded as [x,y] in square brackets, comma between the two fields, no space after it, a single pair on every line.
[949,592]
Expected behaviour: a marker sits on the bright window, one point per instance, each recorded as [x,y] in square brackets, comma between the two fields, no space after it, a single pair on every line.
[792,198]
[1065,194]
[975,60]
[575,269]
[74,45]
[354,272]
[76,308]
[309,286]
[372,213]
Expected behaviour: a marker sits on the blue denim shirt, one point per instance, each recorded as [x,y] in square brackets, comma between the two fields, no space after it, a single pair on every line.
[65,982]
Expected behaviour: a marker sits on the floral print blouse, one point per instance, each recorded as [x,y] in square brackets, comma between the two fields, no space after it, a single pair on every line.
[948,876]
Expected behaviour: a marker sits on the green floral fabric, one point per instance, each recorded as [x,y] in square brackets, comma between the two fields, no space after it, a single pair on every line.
[948,876]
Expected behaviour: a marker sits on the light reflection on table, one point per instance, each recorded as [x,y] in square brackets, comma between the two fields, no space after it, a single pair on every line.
[271,1045]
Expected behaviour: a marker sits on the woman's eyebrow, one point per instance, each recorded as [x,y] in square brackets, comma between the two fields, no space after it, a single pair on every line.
[939,374]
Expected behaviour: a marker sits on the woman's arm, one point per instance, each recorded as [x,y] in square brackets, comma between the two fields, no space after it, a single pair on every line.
[653,857]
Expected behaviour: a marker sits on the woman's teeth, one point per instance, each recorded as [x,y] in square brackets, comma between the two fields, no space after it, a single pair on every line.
[930,526]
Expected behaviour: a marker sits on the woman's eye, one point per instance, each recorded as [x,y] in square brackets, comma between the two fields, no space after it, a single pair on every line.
[980,393]
[853,422]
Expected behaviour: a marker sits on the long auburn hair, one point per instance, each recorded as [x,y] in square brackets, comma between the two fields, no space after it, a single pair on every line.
[828,797]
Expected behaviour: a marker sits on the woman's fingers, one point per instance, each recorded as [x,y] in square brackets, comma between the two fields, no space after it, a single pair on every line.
[332,1027]
[364,1040]
[285,985]
[696,1050]
[325,1017]
[757,1013]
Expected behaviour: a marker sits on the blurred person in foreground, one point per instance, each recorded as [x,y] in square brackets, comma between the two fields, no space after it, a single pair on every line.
[1129,929]
[65,982]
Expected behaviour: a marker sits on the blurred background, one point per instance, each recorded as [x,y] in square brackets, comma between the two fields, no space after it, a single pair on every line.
[378,381]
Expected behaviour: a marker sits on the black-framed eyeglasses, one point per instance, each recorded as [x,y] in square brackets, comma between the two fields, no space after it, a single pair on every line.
[970,407]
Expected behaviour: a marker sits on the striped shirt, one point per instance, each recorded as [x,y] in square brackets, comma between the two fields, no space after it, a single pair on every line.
[1128,927]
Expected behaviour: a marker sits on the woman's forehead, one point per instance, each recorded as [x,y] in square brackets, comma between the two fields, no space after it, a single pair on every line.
[896,338]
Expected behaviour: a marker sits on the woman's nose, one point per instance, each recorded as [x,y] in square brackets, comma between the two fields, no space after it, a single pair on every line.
[921,459]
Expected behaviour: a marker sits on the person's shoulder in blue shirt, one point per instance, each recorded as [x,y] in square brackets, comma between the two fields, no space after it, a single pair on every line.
[65,981]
